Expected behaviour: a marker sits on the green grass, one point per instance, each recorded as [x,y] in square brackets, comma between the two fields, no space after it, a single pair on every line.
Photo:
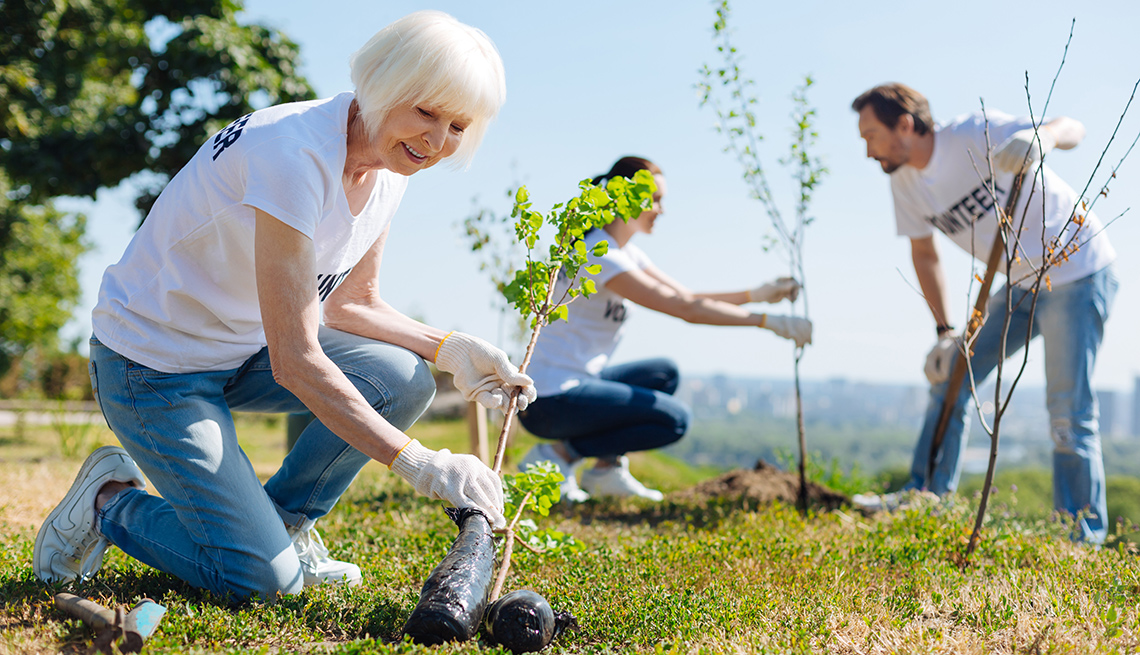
[680,577]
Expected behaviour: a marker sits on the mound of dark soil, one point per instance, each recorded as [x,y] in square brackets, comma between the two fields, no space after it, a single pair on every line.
[765,484]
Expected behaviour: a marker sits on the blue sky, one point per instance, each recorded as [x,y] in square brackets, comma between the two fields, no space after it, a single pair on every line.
[591,81]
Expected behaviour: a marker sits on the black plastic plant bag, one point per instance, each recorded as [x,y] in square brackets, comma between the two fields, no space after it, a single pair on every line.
[524,622]
[455,594]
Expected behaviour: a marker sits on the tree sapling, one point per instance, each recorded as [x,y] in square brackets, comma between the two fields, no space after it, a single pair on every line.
[737,122]
[454,596]
[533,291]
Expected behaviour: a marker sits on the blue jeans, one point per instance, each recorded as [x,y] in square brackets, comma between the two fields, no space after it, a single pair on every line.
[1070,320]
[629,408]
[216,526]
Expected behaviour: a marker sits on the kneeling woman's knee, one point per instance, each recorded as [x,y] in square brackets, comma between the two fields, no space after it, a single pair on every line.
[409,393]
[684,419]
[666,371]
[682,416]
[677,422]
[265,577]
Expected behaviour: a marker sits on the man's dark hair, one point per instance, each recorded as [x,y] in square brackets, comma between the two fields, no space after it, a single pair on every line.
[891,101]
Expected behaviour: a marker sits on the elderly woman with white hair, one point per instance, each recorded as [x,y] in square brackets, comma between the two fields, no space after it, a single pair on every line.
[252,287]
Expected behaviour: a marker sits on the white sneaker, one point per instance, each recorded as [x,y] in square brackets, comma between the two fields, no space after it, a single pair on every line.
[543,452]
[316,564]
[68,546]
[904,499]
[617,481]
[876,502]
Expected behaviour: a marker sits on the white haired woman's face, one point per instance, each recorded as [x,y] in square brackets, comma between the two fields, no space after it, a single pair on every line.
[416,137]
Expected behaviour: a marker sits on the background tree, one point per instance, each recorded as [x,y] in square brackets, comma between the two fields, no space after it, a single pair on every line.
[94,92]
[39,285]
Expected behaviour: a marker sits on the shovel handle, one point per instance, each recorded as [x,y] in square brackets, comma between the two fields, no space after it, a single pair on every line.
[88,611]
[958,376]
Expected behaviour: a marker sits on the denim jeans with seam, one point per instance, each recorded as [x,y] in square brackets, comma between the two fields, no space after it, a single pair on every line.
[630,407]
[216,526]
[1070,320]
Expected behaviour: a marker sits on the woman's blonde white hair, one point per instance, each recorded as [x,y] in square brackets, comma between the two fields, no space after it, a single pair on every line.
[430,58]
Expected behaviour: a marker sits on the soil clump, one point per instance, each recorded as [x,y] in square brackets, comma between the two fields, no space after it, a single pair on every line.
[763,484]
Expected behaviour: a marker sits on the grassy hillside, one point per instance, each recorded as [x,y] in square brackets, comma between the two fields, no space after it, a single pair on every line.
[682,576]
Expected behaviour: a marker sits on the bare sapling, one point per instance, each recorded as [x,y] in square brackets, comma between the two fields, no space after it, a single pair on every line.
[730,94]
[541,291]
[1010,250]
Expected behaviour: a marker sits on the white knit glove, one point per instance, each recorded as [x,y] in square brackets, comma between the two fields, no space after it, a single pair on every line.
[790,327]
[941,358]
[775,291]
[1021,146]
[461,480]
[482,372]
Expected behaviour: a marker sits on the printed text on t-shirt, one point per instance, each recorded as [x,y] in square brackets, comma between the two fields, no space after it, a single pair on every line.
[973,206]
[615,310]
[326,282]
[229,135]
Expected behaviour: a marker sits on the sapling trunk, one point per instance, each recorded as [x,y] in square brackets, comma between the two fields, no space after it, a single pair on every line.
[501,447]
[802,496]
[508,548]
[987,485]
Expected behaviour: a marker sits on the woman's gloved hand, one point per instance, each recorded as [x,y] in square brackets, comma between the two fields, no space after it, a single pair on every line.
[482,372]
[775,291]
[790,327]
[461,480]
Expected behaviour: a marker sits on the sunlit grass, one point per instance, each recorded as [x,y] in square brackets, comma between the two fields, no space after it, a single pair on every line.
[681,576]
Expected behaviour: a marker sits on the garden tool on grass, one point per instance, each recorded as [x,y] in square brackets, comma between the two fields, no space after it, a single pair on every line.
[134,627]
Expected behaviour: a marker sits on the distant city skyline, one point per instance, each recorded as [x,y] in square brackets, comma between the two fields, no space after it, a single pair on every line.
[839,401]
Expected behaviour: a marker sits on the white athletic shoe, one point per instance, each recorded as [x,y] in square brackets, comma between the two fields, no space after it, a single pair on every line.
[876,502]
[894,501]
[543,452]
[316,564]
[617,481]
[68,546]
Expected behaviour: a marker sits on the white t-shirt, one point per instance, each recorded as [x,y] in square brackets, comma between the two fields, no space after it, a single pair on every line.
[184,296]
[950,195]
[581,346]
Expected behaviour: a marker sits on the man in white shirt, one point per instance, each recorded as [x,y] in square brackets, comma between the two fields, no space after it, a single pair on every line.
[936,185]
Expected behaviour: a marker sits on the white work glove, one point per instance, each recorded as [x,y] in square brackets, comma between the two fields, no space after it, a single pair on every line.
[1022,147]
[461,480]
[941,358]
[790,327]
[482,372]
[775,291]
